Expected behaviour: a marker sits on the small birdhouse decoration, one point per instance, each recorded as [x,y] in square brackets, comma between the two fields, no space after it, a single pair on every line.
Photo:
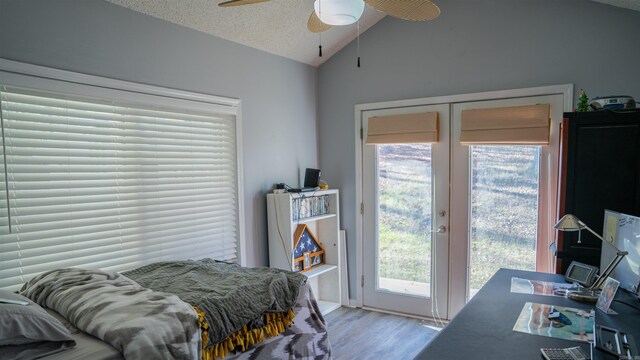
[307,250]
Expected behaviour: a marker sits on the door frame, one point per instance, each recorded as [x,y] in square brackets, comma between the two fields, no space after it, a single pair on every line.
[434,305]
[454,301]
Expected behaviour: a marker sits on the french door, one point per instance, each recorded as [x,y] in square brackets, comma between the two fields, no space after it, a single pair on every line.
[406,187]
[504,198]
[439,218]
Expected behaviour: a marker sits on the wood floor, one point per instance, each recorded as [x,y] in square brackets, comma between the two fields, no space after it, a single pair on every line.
[361,334]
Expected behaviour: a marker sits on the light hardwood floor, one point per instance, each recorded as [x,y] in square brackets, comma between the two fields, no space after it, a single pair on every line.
[361,334]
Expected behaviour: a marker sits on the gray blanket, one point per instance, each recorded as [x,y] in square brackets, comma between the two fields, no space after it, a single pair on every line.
[140,323]
[306,338]
[231,296]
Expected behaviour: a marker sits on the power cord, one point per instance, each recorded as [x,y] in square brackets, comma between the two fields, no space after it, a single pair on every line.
[284,247]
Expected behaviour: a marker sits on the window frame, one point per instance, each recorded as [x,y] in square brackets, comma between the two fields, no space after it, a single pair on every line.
[18,74]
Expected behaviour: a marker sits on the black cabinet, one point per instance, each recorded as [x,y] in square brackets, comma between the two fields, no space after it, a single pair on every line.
[600,169]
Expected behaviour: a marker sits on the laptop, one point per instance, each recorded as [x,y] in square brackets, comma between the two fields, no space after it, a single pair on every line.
[311,178]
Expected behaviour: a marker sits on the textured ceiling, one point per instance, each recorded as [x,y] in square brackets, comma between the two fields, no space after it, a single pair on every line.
[277,26]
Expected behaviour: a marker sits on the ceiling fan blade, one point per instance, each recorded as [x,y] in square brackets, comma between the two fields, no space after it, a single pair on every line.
[240,2]
[315,25]
[417,10]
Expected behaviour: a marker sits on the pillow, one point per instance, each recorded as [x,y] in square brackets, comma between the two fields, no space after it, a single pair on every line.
[28,331]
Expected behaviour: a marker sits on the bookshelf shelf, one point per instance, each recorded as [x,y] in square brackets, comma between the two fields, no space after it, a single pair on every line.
[314,218]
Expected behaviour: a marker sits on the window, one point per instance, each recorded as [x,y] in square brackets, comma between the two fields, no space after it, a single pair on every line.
[112,179]
[504,213]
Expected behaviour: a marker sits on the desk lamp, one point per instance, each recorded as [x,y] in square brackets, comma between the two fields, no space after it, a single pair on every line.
[570,222]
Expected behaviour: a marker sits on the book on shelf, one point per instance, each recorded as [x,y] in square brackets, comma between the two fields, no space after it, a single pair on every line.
[306,207]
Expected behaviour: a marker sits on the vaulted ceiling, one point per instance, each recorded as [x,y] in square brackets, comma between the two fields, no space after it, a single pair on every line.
[277,26]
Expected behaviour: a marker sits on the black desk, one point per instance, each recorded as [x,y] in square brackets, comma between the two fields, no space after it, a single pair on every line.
[483,328]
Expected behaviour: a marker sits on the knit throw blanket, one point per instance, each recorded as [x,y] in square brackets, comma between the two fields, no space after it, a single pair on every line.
[140,323]
[237,306]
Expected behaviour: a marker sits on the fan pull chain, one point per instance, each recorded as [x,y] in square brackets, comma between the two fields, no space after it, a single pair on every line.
[320,33]
[358,26]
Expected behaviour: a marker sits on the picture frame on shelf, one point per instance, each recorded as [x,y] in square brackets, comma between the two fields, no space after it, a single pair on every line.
[606,296]
[307,260]
[307,249]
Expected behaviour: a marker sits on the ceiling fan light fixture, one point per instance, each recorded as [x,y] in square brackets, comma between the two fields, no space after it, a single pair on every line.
[339,12]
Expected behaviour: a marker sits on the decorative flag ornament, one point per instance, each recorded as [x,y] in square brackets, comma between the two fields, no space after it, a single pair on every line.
[307,251]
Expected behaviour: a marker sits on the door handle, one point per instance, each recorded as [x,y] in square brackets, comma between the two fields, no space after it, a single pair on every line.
[441,229]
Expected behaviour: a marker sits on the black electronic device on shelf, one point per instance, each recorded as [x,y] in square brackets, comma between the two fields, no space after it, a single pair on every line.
[311,180]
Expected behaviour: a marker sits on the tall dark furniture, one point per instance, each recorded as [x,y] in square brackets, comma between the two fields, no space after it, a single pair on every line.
[600,169]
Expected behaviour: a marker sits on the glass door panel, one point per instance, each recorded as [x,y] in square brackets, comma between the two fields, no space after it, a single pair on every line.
[504,182]
[404,218]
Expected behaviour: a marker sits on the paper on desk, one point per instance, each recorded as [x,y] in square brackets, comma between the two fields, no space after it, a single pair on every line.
[570,324]
[536,287]
[612,228]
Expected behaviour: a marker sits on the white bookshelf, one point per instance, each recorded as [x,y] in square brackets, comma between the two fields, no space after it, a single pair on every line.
[325,280]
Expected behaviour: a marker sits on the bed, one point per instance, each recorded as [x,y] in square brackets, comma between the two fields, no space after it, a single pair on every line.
[165,310]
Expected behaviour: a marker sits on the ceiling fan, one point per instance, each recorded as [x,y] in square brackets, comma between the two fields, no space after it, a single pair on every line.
[328,13]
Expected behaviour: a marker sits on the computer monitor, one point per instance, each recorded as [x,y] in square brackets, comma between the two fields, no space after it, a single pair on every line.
[623,231]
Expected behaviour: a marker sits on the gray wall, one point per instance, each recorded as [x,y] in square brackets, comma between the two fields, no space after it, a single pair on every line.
[95,37]
[473,46]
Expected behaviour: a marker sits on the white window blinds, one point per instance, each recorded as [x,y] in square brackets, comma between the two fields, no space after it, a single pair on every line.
[112,185]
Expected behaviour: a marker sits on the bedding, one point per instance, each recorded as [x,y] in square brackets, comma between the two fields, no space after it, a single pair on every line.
[138,322]
[87,347]
[306,338]
[94,308]
[239,306]
[28,331]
